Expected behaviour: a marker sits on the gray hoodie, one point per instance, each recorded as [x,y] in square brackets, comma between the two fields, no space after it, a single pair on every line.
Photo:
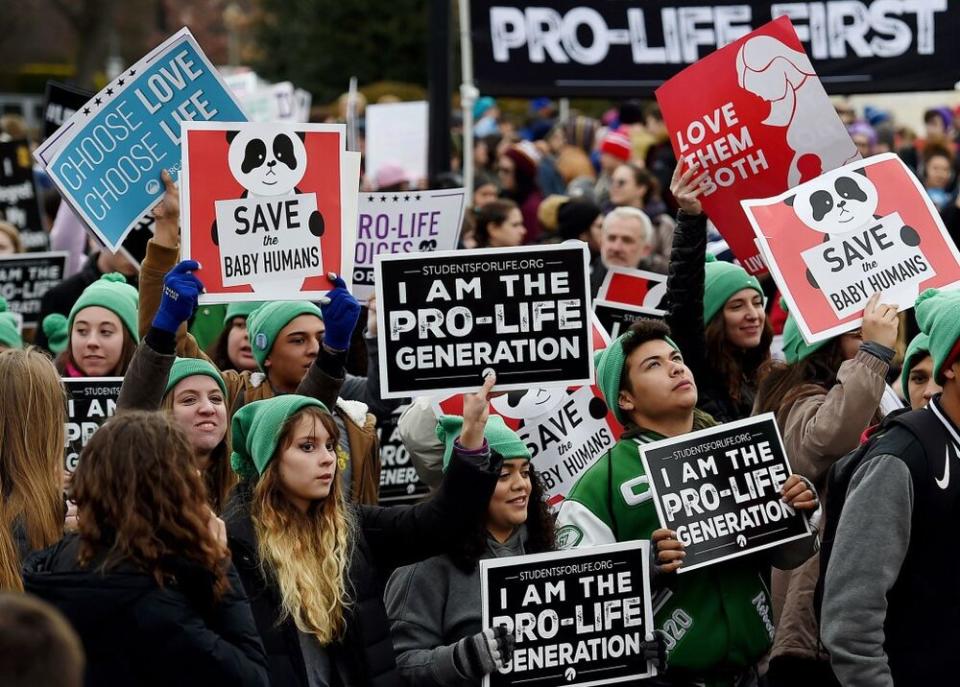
[433,605]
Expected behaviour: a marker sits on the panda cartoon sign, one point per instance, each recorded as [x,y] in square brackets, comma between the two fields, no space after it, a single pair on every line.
[266,209]
[863,228]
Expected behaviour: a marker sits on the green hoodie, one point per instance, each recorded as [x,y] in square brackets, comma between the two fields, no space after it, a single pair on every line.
[717,619]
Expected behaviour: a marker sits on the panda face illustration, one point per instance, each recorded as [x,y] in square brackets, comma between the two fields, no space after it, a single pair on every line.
[837,203]
[269,161]
[528,403]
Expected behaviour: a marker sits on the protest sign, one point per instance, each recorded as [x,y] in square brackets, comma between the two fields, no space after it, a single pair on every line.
[19,201]
[833,242]
[399,482]
[91,401]
[633,287]
[396,134]
[445,318]
[267,209]
[616,318]
[610,48]
[271,103]
[580,617]
[719,490]
[761,123]
[60,103]
[26,277]
[403,222]
[107,158]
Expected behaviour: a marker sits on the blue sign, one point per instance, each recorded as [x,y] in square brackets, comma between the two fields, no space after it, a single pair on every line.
[106,160]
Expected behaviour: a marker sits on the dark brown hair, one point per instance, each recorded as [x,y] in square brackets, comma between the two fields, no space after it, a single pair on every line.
[126,355]
[140,499]
[781,384]
[219,350]
[643,330]
[495,212]
[37,644]
[736,366]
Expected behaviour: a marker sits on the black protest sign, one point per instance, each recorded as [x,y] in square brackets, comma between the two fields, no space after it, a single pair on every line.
[26,277]
[134,245]
[616,318]
[91,401]
[609,48]
[19,202]
[444,318]
[719,489]
[60,102]
[399,482]
[580,617]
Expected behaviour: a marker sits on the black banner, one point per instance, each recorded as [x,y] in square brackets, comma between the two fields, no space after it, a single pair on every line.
[613,48]
[719,489]
[134,244]
[399,482]
[580,617]
[19,202]
[26,277]
[445,318]
[616,318]
[60,102]
[91,401]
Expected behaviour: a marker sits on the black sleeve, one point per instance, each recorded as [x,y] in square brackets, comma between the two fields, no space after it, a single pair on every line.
[401,535]
[146,377]
[685,284]
[325,377]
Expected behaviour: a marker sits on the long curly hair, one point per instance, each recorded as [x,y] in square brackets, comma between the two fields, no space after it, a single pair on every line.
[736,367]
[32,420]
[306,554]
[541,530]
[140,499]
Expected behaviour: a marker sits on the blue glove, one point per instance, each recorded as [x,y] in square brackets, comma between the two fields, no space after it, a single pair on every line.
[181,288]
[340,314]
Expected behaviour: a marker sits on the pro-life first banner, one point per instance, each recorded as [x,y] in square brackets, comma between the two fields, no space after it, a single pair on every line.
[19,201]
[446,318]
[610,48]
[26,277]
[268,209]
[580,617]
[761,122]
[107,158]
[403,222]
[91,401]
[833,242]
[719,490]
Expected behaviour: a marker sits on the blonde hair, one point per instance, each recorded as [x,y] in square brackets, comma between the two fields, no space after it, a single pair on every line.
[14,234]
[306,554]
[31,456]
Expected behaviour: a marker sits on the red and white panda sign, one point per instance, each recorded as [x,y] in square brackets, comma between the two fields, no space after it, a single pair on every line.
[833,242]
[566,430]
[756,118]
[267,209]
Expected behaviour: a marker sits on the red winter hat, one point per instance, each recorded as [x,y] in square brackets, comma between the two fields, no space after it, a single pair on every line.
[525,156]
[617,144]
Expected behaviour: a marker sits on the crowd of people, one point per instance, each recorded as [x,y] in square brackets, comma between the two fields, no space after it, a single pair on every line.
[224,528]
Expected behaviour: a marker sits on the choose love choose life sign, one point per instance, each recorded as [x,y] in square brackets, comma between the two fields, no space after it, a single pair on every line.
[107,158]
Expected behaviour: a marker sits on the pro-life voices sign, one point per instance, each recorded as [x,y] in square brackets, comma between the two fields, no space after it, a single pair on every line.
[760,123]
[91,401]
[719,490]
[107,158]
[403,222]
[445,318]
[833,242]
[580,617]
[267,209]
[26,277]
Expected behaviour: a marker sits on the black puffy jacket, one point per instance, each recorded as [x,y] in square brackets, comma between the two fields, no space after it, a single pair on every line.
[137,633]
[385,539]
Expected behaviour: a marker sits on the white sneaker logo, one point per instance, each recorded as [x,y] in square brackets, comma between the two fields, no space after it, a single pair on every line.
[944,481]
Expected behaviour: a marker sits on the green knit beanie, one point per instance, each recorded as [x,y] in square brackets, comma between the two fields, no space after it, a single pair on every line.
[9,327]
[499,437]
[795,348]
[918,349]
[111,291]
[938,314]
[609,363]
[188,367]
[241,309]
[256,430]
[721,281]
[266,321]
[57,329]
